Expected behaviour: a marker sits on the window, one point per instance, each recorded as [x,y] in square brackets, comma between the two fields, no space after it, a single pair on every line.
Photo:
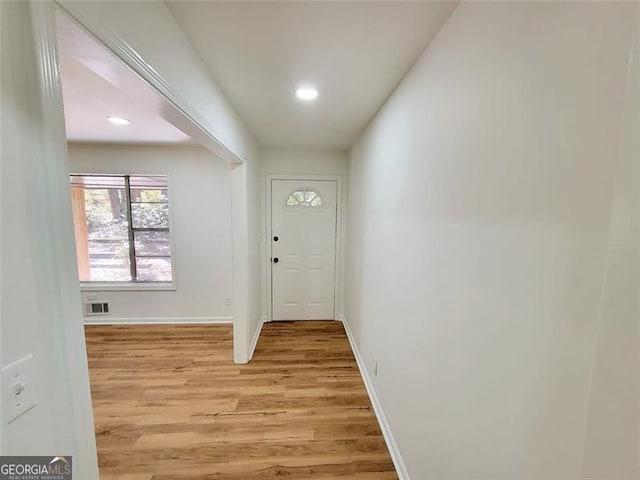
[305,198]
[121,225]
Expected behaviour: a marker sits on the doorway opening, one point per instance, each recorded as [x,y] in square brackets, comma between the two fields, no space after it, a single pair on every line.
[150,193]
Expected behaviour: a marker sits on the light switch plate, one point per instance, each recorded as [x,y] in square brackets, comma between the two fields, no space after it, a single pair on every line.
[18,388]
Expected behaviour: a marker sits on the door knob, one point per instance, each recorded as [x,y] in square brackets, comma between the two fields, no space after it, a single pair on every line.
[276,259]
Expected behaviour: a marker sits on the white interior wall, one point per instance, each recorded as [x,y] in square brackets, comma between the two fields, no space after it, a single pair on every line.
[256,313]
[40,310]
[307,162]
[612,448]
[200,203]
[275,161]
[479,203]
[174,61]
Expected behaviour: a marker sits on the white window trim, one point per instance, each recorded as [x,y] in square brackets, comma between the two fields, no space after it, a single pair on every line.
[127,286]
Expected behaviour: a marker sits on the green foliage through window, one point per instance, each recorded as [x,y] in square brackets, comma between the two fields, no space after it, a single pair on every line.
[123,223]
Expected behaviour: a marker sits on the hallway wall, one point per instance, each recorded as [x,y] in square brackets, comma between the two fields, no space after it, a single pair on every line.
[479,210]
[612,447]
[294,161]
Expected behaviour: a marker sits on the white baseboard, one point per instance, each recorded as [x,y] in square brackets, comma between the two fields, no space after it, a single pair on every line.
[108,320]
[256,336]
[398,463]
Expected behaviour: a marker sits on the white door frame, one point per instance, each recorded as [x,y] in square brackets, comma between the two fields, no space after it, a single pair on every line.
[337,283]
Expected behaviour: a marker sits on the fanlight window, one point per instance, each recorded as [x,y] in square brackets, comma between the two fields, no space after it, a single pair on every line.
[304,198]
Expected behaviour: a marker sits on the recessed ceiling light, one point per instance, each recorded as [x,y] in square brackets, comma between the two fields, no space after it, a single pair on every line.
[307,93]
[118,120]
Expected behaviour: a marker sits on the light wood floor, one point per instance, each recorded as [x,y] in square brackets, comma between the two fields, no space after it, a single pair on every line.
[170,404]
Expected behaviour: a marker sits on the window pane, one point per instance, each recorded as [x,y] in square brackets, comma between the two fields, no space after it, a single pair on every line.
[149,196]
[152,243]
[148,181]
[153,269]
[109,261]
[305,198]
[150,215]
[148,189]
[98,181]
[107,232]
[308,196]
[102,228]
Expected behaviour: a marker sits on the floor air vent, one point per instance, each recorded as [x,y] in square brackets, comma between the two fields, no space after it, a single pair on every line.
[96,308]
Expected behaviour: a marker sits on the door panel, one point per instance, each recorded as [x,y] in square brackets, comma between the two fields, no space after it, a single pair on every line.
[303,217]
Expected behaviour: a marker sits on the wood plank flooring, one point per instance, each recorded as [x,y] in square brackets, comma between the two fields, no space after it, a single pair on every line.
[170,404]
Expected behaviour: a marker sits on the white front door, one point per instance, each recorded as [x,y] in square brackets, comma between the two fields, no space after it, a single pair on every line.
[303,249]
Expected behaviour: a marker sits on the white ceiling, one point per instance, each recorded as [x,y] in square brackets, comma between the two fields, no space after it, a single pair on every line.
[89,97]
[354,52]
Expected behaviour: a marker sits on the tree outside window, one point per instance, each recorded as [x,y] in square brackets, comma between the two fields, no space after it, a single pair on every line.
[121,225]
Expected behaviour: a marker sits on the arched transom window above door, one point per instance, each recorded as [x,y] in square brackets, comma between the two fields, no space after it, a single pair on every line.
[304,198]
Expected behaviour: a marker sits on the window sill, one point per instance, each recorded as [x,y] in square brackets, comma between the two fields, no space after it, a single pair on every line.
[126,287]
